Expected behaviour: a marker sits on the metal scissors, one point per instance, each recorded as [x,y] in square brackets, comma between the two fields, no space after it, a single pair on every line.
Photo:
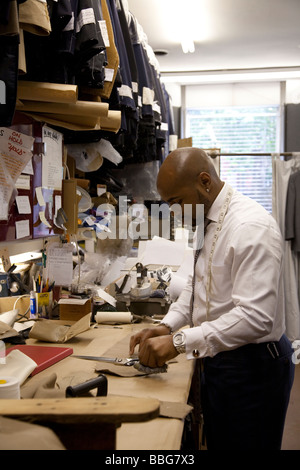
[127,361]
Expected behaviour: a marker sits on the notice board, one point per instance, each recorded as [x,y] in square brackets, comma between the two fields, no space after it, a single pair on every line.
[31,173]
[16,174]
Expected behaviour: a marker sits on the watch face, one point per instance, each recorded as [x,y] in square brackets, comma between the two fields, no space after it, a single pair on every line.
[179,342]
[178,339]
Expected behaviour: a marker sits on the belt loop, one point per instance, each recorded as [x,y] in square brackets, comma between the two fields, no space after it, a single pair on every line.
[275,352]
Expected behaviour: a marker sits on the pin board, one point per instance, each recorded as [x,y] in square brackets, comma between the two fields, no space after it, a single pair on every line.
[47,182]
[16,175]
[31,192]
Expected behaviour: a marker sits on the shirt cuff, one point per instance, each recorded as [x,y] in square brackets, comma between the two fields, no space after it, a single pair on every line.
[196,345]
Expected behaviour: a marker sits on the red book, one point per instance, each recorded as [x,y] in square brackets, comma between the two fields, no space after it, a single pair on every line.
[44,356]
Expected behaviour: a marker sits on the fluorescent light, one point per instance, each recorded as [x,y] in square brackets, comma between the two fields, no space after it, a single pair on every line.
[185,21]
[223,77]
[188,45]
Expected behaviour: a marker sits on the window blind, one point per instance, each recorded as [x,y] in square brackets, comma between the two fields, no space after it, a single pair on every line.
[238,129]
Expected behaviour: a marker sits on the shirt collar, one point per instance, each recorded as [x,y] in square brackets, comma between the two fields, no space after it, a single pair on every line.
[213,213]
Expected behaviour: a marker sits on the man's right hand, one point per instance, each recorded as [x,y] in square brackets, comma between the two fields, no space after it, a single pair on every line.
[146,333]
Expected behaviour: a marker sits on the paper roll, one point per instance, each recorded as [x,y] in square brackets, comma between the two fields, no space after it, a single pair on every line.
[113,317]
[112,122]
[9,387]
[50,92]
[68,125]
[80,108]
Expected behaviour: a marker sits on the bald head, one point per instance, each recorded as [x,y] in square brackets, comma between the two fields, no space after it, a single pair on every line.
[188,169]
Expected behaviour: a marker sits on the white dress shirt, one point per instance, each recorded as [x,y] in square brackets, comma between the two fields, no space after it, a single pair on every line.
[245,296]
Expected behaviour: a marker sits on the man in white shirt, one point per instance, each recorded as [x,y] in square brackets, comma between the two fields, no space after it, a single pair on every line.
[233,303]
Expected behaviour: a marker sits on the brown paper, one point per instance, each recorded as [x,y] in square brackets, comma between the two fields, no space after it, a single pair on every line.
[112,122]
[6,331]
[49,92]
[169,409]
[88,121]
[111,52]
[66,125]
[34,17]
[47,330]
[44,388]
[80,108]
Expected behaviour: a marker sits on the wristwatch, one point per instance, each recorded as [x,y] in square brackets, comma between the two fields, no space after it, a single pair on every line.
[179,342]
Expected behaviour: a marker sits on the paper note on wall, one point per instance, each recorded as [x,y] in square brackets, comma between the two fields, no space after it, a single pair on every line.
[60,264]
[22,229]
[23,204]
[52,159]
[15,153]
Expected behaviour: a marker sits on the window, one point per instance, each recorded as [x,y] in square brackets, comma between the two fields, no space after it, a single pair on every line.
[240,129]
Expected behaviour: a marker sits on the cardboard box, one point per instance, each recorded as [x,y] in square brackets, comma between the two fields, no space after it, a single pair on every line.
[74,309]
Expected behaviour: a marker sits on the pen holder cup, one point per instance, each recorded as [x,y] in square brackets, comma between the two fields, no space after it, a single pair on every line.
[44,301]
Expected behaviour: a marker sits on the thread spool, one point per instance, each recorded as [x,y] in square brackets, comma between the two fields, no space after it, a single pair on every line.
[9,387]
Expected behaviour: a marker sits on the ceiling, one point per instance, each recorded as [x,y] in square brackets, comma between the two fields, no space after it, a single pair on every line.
[228,34]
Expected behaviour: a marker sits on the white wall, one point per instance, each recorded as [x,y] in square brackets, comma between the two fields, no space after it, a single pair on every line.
[292,91]
[233,94]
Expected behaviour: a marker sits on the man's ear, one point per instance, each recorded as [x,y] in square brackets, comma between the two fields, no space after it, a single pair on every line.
[204,179]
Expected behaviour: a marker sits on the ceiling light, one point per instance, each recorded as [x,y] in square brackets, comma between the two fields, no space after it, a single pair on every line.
[230,76]
[188,45]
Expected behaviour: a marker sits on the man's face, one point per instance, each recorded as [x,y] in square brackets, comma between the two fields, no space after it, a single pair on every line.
[188,197]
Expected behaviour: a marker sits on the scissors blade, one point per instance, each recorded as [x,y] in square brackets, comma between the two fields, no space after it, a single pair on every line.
[113,360]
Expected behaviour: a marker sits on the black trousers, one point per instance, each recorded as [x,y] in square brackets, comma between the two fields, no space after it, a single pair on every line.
[245,394]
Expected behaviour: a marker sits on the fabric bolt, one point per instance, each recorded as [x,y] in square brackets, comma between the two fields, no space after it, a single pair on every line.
[146,141]
[282,170]
[22,68]
[145,84]
[9,57]
[111,54]
[89,41]
[91,73]
[34,17]
[292,214]
[4,11]
[9,52]
[9,19]
[170,120]
[68,33]
[125,94]
[44,62]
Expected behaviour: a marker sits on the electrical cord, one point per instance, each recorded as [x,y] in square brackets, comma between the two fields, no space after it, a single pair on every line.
[21,316]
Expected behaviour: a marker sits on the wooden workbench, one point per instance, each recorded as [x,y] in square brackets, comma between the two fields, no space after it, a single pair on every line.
[156,434]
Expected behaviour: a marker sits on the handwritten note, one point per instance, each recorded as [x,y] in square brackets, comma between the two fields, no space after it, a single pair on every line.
[15,153]
[23,204]
[60,264]
[22,229]
[52,159]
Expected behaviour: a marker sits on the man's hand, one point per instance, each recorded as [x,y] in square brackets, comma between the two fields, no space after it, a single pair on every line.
[142,335]
[156,346]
